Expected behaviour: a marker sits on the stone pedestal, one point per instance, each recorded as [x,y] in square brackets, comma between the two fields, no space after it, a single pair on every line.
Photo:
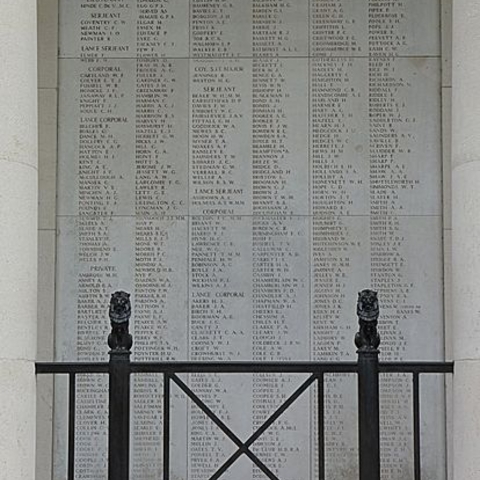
[18,237]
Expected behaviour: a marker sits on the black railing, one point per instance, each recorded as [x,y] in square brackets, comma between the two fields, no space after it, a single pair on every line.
[367,368]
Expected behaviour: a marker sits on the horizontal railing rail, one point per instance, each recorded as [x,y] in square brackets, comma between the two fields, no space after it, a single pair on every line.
[243,367]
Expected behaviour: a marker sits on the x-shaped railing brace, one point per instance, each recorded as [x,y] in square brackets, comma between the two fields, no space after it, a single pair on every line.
[243,447]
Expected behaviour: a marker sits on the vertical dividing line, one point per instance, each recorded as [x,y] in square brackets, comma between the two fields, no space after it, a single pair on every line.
[321,425]
[416,426]
[189,222]
[309,111]
[166,426]
[310,229]
[189,166]
[71,425]
[310,175]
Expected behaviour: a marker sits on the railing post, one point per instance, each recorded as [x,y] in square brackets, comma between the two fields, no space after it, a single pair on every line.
[367,341]
[120,342]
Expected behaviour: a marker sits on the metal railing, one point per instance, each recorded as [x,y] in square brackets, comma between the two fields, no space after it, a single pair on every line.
[367,368]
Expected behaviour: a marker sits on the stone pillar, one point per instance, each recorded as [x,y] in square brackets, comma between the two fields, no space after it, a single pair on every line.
[466,238]
[18,237]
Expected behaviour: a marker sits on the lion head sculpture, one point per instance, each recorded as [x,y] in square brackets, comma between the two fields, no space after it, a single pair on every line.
[120,307]
[367,305]
[119,313]
[367,338]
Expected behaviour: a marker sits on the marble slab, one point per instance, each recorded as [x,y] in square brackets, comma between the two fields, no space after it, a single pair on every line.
[244,169]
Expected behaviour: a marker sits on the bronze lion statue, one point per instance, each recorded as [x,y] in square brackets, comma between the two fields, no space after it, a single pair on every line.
[367,338]
[119,313]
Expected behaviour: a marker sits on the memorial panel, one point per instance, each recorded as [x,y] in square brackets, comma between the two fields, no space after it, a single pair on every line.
[243,168]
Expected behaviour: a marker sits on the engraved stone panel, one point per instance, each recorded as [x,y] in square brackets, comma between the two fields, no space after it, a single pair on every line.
[244,168]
